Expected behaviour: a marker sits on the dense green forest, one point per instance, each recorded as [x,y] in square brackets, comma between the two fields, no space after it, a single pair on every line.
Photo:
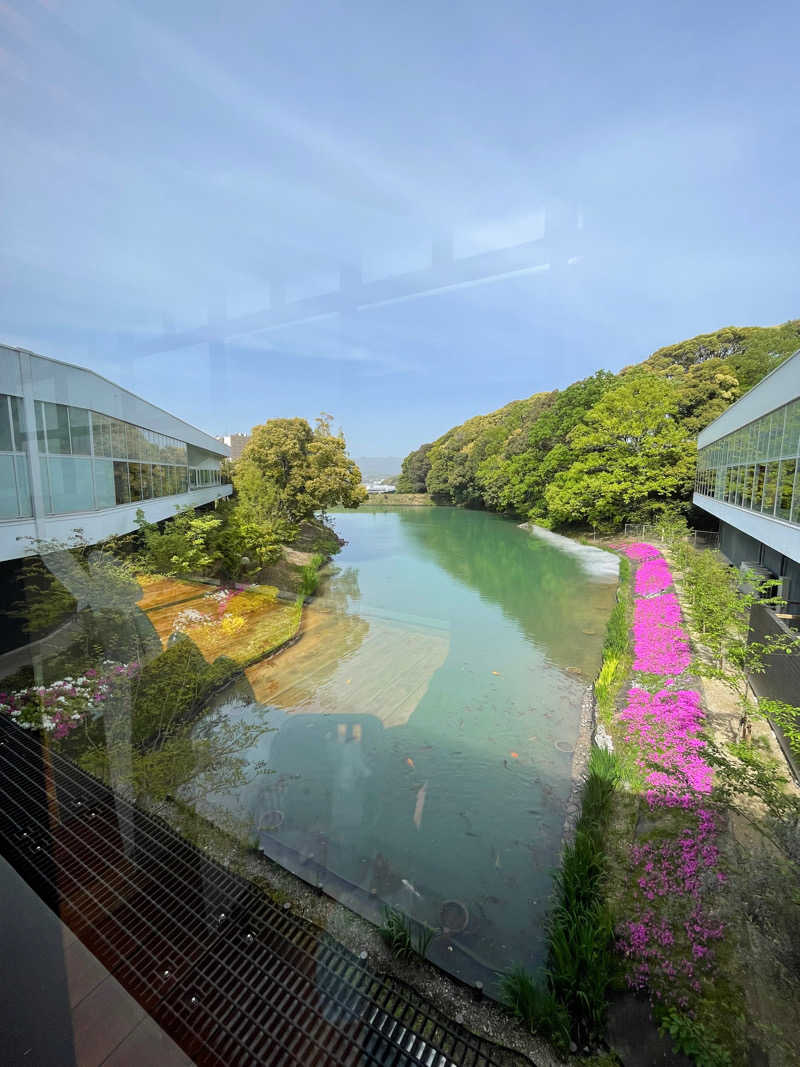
[610,449]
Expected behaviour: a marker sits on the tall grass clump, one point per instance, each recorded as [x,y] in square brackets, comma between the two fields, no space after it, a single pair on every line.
[309,575]
[580,944]
[535,1005]
[398,933]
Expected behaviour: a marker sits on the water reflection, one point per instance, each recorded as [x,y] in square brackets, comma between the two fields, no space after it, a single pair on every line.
[413,749]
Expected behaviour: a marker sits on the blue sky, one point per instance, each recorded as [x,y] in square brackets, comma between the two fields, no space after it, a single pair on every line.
[171,166]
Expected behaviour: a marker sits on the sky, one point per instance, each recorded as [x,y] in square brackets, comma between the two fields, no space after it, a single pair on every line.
[402,214]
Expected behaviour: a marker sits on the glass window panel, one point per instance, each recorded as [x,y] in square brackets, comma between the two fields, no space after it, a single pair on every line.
[770,486]
[135,475]
[157,476]
[40,437]
[747,486]
[183,479]
[758,487]
[23,485]
[791,433]
[18,422]
[105,495]
[119,444]
[70,484]
[6,438]
[147,481]
[56,421]
[786,475]
[45,477]
[79,431]
[8,488]
[122,490]
[101,434]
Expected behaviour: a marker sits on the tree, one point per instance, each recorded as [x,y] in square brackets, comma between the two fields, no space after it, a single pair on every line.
[633,457]
[415,471]
[289,471]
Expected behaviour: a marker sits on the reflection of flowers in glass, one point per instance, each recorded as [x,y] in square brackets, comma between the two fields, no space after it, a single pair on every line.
[61,706]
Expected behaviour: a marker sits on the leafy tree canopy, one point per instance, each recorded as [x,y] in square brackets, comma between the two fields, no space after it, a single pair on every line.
[606,450]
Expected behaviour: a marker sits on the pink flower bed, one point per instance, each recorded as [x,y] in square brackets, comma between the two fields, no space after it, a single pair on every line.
[653,576]
[641,551]
[664,727]
[660,644]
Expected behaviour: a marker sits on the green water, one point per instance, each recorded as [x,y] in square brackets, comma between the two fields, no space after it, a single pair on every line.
[421,735]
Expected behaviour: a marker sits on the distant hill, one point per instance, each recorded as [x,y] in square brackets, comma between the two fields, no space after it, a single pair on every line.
[375,468]
[612,448]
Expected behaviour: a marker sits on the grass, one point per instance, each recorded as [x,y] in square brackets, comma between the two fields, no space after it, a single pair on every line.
[534,1004]
[616,649]
[571,999]
[309,575]
[398,933]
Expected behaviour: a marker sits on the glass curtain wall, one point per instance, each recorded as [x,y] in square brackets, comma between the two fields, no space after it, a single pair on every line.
[89,461]
[15,492]
[758,466]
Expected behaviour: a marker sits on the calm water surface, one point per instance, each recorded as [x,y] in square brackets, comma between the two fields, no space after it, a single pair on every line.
[420,734]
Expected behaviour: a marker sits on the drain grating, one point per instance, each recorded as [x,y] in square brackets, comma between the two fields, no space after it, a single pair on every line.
[234,979]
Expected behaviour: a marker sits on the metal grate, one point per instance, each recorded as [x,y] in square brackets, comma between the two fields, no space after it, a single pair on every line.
[233,978]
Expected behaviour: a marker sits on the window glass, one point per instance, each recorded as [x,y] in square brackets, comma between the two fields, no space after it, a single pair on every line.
[747,487]
[40,437]
[786,475]
[56,421]
[8,488]
[770,485]
[79,431]
[104,490]
[23,485]
[6,440]
[157,476]
[135,475]
[119,444]
[70,484]
[791,433]
[101,434]
[18,423]
[45,477]
[122,489]
[147,481]
[758,487]
[183,479]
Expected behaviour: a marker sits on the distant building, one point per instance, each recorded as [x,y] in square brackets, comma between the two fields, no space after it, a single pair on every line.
[378,487]
[236,443]
[79,452]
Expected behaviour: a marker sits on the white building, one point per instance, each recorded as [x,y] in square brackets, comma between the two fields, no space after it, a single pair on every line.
[78,452]
[748,476]
[236,442]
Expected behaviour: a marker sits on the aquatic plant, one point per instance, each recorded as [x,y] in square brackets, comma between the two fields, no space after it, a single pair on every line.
[397,931]
[533,1002]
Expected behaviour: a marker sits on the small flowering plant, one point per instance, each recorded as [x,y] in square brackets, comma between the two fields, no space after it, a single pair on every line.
[60,707]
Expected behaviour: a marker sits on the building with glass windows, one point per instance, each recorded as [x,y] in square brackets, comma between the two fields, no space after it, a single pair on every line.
[748,476]
[78,452]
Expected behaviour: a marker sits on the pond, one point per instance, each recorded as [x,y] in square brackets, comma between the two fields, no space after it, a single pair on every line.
[415,746]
